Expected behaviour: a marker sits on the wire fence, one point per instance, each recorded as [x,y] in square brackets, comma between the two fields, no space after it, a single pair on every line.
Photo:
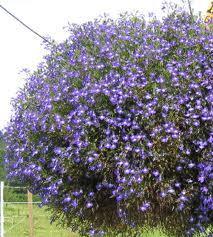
[25,218]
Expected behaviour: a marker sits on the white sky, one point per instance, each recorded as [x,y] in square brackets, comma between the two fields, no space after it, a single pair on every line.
[19,48]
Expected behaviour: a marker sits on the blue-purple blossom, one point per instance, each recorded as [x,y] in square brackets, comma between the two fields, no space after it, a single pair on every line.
[116,121]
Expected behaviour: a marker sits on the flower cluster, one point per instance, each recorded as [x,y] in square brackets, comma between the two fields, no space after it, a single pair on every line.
[114,128]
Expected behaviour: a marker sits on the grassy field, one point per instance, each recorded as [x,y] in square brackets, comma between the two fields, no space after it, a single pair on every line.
[17,224]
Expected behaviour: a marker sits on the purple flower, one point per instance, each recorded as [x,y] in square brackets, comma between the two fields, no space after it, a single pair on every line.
[145,206]
[119,112]
[183,198]
[91,194]
[67,199]
[155,173]
[74,203]
[89,205]
[201,179]
[191,165]
[58,151]
[163,194]
[145,170]
[179,168]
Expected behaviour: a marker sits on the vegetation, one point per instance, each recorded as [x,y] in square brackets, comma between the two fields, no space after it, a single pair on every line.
[2,149]
[17,222]
[10,194]
[113,131]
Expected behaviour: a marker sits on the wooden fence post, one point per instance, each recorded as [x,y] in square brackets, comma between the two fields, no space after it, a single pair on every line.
[30,211]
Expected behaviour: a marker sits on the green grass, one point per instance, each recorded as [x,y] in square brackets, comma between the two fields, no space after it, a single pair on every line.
[154,233]
[17,222]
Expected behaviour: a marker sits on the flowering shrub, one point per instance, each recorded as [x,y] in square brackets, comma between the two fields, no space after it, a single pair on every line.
[113,129]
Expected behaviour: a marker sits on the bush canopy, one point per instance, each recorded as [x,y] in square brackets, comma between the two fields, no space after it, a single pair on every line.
[113,130]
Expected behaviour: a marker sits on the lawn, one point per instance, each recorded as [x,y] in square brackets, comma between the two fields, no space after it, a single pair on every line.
[17,224]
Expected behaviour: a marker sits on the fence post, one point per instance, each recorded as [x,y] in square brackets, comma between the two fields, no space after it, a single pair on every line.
[2,209]
[30,209]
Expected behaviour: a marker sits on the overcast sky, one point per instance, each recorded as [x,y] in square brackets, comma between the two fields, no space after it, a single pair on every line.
[19,48]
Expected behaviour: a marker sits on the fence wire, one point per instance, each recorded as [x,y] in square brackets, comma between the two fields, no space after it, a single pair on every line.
[17,216]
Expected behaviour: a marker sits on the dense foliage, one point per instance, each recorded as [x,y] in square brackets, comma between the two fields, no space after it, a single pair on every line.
[2,171]
[10,194]
[113,130]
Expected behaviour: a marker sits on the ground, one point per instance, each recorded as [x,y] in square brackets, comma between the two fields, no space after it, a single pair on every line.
[17,224]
